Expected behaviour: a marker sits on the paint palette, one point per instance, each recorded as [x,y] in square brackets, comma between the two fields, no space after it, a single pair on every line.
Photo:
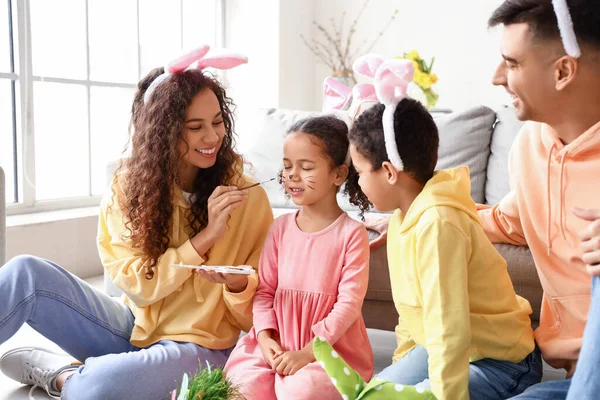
[224,269]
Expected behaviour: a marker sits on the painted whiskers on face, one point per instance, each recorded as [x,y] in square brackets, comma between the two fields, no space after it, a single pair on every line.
[309,180]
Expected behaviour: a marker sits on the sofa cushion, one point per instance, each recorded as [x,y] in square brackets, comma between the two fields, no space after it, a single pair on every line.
[524,276]
[505,131]
[465,140]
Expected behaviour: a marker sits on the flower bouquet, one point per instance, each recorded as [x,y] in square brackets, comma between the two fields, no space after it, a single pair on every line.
[424,79]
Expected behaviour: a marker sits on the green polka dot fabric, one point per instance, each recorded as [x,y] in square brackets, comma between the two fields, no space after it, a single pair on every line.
[351,385]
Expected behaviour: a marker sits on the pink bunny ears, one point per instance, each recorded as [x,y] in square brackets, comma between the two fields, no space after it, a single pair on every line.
[390,84]
[222,60]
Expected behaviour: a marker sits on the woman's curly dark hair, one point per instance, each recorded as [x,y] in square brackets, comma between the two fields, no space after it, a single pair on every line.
[146,178]
[332,135]
[416,137]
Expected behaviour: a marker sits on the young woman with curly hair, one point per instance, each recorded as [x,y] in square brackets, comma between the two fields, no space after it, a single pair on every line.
[174,200]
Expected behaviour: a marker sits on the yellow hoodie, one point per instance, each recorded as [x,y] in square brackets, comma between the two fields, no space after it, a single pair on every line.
[178,304]
[548,179]
[451,288]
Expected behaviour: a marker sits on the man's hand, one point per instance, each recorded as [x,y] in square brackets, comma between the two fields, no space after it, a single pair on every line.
[590,239]
[380,226]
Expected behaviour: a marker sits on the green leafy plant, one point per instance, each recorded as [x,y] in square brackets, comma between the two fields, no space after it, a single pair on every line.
[207,384]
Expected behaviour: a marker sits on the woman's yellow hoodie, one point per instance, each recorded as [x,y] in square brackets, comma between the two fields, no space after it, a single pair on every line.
[178,304]
[451,287]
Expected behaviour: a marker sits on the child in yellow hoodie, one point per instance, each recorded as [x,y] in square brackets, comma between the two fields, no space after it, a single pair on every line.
[462,330]
[176,199]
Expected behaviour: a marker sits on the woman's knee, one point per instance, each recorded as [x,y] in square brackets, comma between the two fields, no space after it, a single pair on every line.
[29,266]
[26,270]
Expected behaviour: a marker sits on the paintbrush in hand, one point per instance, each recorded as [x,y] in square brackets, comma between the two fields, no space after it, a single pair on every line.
[257,184]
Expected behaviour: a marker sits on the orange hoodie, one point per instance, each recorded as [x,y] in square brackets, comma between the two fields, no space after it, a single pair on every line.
[547,180]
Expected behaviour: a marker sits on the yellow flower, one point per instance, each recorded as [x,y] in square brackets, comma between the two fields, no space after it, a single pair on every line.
[413,55]
[422,79]
[416,65]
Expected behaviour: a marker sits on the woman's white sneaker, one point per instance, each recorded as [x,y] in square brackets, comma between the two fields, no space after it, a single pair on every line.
[37,367]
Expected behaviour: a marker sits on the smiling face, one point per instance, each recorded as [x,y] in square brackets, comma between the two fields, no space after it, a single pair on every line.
[528,73]
[308,175]
[203,131]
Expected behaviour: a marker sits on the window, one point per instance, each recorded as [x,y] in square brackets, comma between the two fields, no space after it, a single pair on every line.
[68,72]
[7,102]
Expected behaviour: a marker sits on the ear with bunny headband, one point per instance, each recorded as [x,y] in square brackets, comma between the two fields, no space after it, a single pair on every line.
[390,79]
[565,26]
[196,59]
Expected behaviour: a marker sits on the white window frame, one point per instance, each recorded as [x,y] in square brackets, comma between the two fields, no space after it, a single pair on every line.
[24,78]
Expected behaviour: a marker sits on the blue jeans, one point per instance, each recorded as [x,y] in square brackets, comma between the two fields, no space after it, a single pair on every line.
[93,328]
[585,384]
[488,379]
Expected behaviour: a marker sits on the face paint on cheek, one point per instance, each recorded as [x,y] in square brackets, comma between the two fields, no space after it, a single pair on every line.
[309,182]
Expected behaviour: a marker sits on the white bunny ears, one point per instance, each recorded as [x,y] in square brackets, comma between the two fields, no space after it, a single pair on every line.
[222,60]
[565,26]
[390,85]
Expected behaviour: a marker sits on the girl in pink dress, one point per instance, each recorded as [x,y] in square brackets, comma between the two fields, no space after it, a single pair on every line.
[314,270]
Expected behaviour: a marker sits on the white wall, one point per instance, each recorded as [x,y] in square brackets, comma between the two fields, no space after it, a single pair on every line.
[296,62]
[283,73]
[70,243]
[252,28]
[455,32]
[281,70]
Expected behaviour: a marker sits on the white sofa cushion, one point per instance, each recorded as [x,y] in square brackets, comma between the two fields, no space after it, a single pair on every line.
[505,131]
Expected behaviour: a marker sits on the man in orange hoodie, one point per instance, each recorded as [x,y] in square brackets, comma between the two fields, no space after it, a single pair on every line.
[553,77]
[551,69]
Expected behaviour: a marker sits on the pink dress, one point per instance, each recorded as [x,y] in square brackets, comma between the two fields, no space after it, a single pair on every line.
[310,284]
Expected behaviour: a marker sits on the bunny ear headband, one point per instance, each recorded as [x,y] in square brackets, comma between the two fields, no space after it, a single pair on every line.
[565,26]
[391,79]
[222,60]
[346,103]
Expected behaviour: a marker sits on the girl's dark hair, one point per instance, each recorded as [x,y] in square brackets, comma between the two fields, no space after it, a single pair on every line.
[146,179]
[331,134]
[542,21]
[416,137]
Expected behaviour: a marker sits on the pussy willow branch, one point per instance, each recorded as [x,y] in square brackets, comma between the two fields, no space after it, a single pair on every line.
[333,52]
[326,60]
[353,28]
[385,28]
